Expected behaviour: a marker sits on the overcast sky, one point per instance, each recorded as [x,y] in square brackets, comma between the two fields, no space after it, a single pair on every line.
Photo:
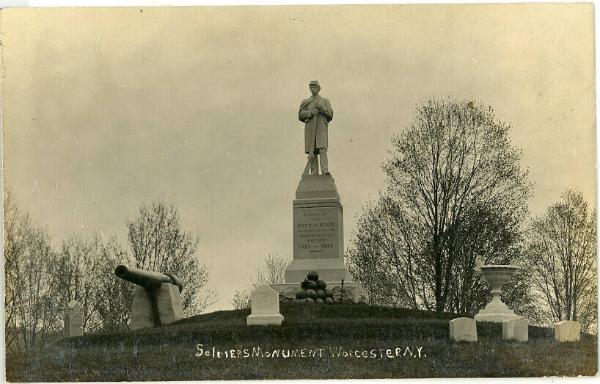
[108,109]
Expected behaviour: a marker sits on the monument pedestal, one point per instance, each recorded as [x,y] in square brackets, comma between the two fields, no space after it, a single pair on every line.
[318,231]
[497,276]
[496,312]
[168,307]
[318,238]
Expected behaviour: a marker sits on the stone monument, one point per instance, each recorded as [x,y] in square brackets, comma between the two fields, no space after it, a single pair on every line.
[463,329]
[264,303]
[318,225]
[496,276]
[567,330]
[73,319]
[318,236]
[157,298]
[516,330]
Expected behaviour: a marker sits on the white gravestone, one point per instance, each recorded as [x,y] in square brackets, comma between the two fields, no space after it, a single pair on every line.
[264,303]
[73,319]
[463,329]
[567,330]
[516,330]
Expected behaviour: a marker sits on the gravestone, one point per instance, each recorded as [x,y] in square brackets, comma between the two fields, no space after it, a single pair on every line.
[463,329]
[264,303]
[73,319]
[567,330]
[516,330]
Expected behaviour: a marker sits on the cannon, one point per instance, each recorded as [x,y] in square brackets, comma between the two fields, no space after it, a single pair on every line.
[157,298]
[147,279]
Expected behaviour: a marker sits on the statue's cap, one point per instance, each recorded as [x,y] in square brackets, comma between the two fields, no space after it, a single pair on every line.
[315,82]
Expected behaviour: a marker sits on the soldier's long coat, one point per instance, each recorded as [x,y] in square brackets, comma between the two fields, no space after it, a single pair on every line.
[315,128]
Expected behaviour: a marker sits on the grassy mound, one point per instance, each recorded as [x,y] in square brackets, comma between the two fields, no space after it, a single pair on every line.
[315,341]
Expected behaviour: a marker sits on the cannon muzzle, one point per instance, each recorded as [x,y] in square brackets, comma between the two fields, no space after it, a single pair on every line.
[147,279]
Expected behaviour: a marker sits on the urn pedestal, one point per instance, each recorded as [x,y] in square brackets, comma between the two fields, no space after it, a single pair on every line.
[496,276]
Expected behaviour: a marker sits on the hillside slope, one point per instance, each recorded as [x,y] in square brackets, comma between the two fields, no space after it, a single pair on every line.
[315,341]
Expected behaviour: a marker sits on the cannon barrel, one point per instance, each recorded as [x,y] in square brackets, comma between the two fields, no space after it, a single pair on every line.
[146,279]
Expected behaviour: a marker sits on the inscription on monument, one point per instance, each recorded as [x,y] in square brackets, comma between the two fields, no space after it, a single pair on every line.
[316,232]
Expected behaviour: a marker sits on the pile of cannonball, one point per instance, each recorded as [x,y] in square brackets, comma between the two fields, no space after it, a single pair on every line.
[314,290]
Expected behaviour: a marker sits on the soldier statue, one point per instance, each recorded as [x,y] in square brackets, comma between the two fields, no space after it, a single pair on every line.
[316,113]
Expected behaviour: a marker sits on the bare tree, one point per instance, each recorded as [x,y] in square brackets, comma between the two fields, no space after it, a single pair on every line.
[113,296]
[455,193]
[386,255]
[241,299]
[17,233]
[271,272]
[159,243]
[74,276]
[84,271]
[562,257]
[30,308]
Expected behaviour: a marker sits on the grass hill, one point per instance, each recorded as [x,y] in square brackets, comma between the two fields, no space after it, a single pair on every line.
[315,341]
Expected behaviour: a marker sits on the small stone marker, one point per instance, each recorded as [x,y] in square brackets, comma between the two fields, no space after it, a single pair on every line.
[516,330]
[567,330]
[463,329]
[73,319]
[264,302]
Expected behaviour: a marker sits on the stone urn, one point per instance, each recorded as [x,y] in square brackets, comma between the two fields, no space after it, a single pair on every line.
[496,276]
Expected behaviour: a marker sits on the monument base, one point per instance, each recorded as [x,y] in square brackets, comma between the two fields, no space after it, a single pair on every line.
[495,317]
[329,270]
[496,312]
[275,319]
[353,292]
[168,304]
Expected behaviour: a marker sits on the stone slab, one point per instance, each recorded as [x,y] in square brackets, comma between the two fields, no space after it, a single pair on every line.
[567,330]
[168,302]
[264,307]
[73,319]
[141,312]
[463,329]
[170,307]
[318,231]
[265,320]
[516,330]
